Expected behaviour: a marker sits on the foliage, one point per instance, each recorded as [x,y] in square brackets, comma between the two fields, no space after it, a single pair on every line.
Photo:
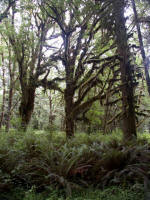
[114,193]
[95,115]
[33,41]
[47,159]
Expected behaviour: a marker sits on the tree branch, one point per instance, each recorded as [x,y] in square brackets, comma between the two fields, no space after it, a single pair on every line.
[5,13]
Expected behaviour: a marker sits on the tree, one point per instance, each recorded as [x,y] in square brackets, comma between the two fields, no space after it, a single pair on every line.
[145,59]
[27,42]
[13,78]
[9,80]
[4,90]
[129,126]
[82,60]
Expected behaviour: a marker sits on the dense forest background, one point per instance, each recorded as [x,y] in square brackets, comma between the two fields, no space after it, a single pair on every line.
[74,95]
[70,66]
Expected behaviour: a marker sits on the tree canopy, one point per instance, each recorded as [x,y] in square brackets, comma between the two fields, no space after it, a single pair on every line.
[83,52]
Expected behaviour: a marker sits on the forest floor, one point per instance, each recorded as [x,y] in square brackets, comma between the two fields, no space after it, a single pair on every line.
[110,193]
[39,165]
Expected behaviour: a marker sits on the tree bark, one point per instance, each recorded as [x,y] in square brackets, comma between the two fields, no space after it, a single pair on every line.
[69,120]
[51,117]
[10,98]
[11,68]
[27,106]
[129,125]
[4,94]
[145,60]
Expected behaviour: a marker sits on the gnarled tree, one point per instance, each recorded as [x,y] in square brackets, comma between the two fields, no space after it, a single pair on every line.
[27,40]
[81,59]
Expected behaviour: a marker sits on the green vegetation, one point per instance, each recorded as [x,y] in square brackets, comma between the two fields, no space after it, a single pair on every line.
[45,160]
[114,193]
[74,99]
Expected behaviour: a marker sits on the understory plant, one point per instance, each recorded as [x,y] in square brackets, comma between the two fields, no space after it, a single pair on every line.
[41,161]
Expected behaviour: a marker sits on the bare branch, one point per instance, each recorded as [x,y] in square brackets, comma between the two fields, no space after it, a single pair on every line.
[5,13]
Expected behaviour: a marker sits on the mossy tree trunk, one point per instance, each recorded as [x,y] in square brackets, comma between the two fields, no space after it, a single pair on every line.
[13,79]
[69,120]
[27,106]
[4,92]
[145,59]
[129,125]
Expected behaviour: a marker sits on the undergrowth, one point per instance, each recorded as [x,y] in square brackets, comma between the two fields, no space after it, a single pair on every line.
[43,160]
[111,193]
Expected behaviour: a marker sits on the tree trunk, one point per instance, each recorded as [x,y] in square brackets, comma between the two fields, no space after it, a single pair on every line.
[106,112]
[68,111]
[129,125]
[4,93]
[27,106]
[145,60]
[11,68]
[51,116]
[69,126]
[9,108]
